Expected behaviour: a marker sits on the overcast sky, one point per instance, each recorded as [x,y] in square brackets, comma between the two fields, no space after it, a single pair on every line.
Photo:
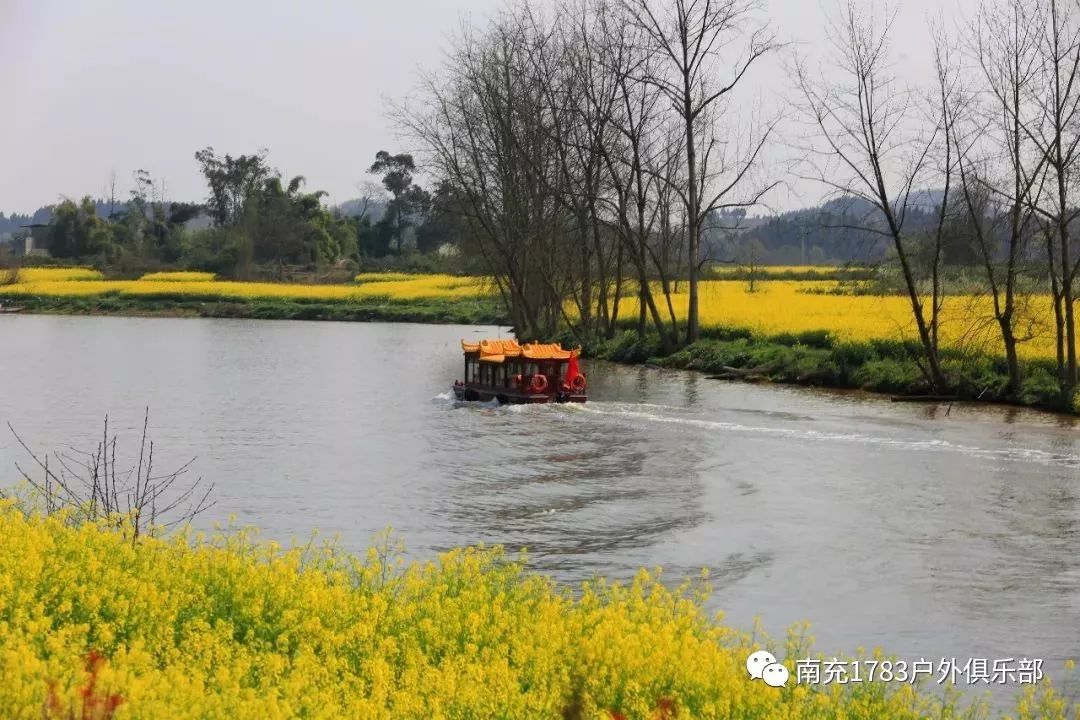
[88,89]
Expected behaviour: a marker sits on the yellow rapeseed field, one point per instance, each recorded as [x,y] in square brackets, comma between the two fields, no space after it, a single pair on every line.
[94,625]
[53,274]
[788,306]
[182,276]
[414,287]
[776,306]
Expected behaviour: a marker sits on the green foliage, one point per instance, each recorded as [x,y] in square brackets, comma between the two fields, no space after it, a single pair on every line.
[851,355]
[1040,386]
[225,251]
[627,347]
[414,262]
[232,182]
[408,199]
[890,375]
[261,220]
[812,359]
[77,231]
[459,312]
[809,338]
[725,333]
[976,377]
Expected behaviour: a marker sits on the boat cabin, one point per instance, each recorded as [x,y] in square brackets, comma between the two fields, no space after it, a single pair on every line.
[508,372]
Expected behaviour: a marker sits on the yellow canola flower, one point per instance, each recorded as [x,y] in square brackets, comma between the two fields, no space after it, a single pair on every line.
[414,288]
[229,627]
[790,306]
[47,274]
[179,276]
[773,308]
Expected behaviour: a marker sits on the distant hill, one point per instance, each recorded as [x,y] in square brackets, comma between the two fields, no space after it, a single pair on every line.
[838,231]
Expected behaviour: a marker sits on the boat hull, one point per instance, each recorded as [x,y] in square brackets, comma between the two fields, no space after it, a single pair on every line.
[505,396]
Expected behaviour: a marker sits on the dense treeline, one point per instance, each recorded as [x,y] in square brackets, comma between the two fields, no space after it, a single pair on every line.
[253,221]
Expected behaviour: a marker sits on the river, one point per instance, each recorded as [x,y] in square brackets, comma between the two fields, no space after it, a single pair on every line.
[927,531]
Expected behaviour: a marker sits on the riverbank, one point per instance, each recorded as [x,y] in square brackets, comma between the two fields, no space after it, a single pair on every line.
[815,359]
[468,311]
[233,627]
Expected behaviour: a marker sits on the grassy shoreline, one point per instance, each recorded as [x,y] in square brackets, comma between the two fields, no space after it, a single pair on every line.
[447,312]
[811,358]
[814,359]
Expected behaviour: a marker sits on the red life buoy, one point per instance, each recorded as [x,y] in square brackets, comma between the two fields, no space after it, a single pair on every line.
[539,383]
[578,383]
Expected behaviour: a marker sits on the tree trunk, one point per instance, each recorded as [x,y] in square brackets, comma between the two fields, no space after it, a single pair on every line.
[692,329]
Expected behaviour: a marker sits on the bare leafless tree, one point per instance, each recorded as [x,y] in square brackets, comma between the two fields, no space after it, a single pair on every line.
[482,123]
[870,141]
[999,170]
[555,125]
[637,131]
[1054,129]
[707,47]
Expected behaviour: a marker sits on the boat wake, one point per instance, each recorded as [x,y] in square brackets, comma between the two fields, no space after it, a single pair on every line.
[448,399]
[650,415]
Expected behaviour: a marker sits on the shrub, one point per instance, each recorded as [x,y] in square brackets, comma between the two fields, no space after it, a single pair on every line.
[1040,385]
[890,375]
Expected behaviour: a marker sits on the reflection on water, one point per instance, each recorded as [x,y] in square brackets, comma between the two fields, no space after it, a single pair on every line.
[927,530]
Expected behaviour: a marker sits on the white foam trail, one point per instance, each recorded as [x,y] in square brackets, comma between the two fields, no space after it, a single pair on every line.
[1014,454]
[449,398]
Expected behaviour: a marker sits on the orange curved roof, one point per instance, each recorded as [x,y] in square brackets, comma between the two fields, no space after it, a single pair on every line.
[493,350]
[548,351]
[497,351]
[509,348]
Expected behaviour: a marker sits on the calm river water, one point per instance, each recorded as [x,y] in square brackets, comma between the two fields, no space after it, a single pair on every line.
[927,533]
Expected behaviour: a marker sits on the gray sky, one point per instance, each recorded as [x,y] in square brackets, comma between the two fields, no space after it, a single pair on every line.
[92,88]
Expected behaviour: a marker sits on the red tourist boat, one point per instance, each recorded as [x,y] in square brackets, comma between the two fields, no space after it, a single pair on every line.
[510,373]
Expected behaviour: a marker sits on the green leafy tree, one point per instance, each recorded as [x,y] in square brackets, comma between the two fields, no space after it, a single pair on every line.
[293,227]
[232,182]
[76,231]
[407,198]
